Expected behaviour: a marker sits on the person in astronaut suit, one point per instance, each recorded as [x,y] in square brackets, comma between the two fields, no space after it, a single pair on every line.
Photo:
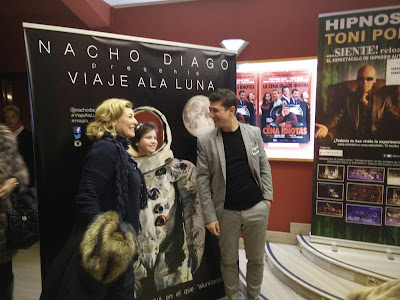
[172,234]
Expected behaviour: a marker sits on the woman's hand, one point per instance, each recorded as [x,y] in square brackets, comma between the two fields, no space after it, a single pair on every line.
[7,187]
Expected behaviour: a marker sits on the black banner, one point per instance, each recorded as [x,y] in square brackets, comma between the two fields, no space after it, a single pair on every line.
[71,72]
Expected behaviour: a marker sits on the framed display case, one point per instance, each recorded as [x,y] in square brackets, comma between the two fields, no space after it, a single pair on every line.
[279,98]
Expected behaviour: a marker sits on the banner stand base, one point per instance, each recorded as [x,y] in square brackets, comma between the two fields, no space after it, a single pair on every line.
[354,244]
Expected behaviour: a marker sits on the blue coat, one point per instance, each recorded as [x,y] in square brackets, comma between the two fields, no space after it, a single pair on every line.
[66,279]
[97,190]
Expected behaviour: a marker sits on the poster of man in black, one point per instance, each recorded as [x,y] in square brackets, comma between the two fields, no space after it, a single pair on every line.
[357,121]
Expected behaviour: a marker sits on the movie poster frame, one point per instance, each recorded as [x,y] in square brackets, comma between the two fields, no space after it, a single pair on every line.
[339,80]
[290,150]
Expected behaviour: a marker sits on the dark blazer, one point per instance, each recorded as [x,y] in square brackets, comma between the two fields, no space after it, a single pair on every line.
[211,169]
[286,100]
[385,118]
[252,110]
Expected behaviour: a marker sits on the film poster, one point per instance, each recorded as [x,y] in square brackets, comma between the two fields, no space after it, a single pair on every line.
[278,123]
[357,148]
[248,100]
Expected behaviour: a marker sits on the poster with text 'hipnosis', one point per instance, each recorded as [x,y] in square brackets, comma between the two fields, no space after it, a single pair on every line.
[356,186]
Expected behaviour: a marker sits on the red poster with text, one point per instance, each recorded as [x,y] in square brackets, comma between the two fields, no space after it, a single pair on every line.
[246,91]
[285,106]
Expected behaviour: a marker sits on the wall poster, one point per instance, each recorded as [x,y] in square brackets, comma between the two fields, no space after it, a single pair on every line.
[357,141]
[279,98]
[71,72]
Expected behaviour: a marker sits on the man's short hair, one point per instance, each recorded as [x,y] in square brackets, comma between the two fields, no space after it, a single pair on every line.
[276,91]
[226,96]
[284,87]
[242,92]
[294,90]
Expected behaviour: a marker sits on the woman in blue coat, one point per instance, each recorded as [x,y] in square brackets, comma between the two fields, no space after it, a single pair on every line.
[110,181]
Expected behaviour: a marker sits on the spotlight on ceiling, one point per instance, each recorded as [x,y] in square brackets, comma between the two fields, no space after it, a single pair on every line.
[237,45]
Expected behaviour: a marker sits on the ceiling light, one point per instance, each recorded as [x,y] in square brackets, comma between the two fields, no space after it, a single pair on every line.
[129,3]
[237,45]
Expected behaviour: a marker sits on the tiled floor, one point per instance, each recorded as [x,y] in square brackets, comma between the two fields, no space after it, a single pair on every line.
[27,280]
[26,265]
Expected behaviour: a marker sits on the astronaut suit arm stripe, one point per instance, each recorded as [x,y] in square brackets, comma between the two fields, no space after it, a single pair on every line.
[192,215]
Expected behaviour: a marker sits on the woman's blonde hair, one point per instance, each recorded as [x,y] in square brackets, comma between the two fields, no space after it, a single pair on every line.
[11,107]
[106,113]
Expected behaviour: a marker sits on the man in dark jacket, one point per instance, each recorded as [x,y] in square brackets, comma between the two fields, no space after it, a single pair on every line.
[366,113]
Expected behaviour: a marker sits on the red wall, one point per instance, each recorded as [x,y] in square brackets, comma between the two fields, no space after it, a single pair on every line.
[14,13]
[275,30]
[292,182]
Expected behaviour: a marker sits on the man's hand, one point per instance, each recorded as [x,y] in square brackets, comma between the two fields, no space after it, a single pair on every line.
[213,227]
[268,202]
[322,131]
[282,124]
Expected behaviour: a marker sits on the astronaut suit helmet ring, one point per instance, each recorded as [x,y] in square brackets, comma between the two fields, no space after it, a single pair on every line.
[148,114]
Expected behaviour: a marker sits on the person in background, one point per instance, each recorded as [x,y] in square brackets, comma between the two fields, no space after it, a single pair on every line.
[14,177]
[285,95]
[305,97]
[386,291]
[295,97]
[242,98]
[277,100]
[172,237]
[235,187]
[11,115]
[367,113]
[251,106]
[286,117]
[110,181]
[266,106]
[302,118]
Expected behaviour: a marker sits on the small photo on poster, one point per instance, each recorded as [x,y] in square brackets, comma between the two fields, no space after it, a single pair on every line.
[393,195]
[330,172]
[246,89]
[393,177]
[285,106]
[366,193]
[330,191]
[361,214]
[392,216]
[328,208]
[365,174]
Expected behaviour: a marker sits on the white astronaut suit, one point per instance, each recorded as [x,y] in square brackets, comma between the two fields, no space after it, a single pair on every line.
[172,234]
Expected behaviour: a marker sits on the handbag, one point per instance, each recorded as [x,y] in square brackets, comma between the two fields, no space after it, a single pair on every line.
[108,247]
[23,221]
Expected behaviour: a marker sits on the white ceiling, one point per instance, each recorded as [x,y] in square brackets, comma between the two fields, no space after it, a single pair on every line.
[128,3]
